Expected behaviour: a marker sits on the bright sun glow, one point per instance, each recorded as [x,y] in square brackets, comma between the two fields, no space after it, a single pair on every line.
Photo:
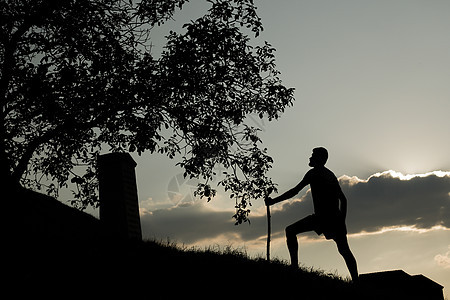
[401,176]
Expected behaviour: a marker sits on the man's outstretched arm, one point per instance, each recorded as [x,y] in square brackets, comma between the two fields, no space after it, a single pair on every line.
[287,195]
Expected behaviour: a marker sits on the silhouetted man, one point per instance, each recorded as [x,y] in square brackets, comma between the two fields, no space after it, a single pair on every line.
[328,217]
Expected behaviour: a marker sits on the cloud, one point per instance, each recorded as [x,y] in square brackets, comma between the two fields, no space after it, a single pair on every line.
[443,260]
[148,205]
[390,199]
[384,200]
[187,223]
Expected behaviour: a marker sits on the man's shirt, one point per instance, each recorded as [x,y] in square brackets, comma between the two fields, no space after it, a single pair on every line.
[325,191]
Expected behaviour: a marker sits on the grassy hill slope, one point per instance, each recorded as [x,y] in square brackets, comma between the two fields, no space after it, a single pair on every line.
[154,271]
[51,249]
[54,251]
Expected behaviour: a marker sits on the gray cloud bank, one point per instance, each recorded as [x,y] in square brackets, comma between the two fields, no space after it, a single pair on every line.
[383,200]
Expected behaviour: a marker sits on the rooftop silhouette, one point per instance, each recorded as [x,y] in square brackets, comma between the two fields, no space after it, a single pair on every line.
[397,284]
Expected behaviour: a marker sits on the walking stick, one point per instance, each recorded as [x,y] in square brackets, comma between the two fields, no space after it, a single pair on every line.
[269,227]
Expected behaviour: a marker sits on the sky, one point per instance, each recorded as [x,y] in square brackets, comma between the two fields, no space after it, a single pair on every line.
[372,85]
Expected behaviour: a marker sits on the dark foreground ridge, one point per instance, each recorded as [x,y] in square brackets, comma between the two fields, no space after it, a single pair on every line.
[154,271]
[53,250]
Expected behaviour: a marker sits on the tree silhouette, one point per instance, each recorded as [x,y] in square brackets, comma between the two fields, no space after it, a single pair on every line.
[78,76]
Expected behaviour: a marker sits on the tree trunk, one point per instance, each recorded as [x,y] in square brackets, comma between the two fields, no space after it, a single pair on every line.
[7,181]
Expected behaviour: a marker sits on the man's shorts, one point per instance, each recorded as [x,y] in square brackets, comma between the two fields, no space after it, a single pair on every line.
[332,227]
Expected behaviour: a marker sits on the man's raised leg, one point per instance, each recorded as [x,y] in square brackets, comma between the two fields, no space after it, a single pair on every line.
[305,224]
[292,244]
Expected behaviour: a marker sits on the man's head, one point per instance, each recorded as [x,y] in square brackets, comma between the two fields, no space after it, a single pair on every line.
[319,157]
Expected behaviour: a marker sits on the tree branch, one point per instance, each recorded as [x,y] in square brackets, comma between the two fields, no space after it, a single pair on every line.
[22,164]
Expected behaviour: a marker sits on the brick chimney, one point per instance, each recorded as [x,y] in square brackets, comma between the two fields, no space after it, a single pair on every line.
[119,208]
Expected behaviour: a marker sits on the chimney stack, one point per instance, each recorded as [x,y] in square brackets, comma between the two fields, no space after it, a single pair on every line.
[119,208]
